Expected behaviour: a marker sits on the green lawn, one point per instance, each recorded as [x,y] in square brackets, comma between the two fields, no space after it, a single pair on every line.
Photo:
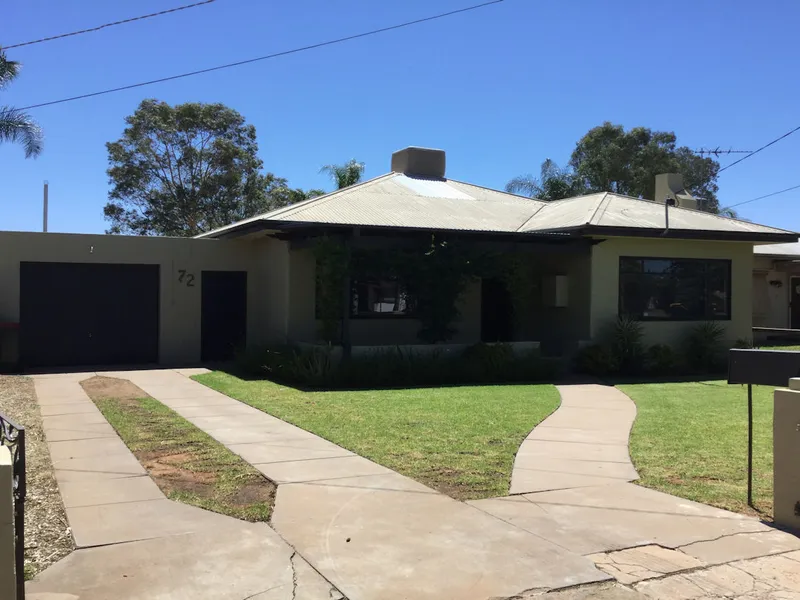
[690,439]
[458,440]
[186,463]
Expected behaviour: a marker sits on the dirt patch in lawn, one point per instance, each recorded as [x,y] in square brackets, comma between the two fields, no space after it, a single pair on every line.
[186,463]
[111,387]
[47,535]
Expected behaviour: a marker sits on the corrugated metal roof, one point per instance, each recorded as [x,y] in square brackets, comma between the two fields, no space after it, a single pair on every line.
[613,210]
[398,200]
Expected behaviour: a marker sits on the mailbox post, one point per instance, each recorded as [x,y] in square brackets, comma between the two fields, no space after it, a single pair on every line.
[760,367]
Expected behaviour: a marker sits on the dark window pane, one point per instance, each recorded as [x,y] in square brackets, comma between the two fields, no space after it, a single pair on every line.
[674,289]
[380,296]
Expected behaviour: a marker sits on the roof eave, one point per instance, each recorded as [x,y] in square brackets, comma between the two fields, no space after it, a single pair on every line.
[685,234]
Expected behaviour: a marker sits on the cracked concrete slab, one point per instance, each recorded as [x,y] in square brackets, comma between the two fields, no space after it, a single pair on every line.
[377,543]
[766,578]
[240,560]
[593,591]
[743,545]
[645,562]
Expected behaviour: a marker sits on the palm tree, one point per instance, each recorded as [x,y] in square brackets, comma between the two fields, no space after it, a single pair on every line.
[15,125]
[553,183]
[345,175]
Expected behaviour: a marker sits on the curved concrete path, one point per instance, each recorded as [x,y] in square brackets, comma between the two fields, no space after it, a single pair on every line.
[583,443]
[373,533]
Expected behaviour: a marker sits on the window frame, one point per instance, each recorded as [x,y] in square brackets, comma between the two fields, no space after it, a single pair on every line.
[728,263]
[354,314]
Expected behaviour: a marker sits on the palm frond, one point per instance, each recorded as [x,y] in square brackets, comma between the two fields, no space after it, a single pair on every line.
[9,69]
[524,185]
[18,127]
[345,175]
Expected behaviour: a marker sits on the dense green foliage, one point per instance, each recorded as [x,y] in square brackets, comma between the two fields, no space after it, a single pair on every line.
[185,169]
[16,126]
[620,351]
[320,367]
[610,159]
[458,440]
[435,273]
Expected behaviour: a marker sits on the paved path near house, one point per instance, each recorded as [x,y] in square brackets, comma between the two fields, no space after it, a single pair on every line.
[583,443]
[375,534]
[135,543]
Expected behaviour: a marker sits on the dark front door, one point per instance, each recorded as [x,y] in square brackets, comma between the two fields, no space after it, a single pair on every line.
[794,302]
[224,314]
[88,314]
[497,311]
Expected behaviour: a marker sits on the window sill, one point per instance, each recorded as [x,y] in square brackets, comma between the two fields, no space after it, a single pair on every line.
[677,319]
[382,316]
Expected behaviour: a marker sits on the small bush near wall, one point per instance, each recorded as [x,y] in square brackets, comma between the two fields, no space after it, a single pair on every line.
[621,352]
[399,367]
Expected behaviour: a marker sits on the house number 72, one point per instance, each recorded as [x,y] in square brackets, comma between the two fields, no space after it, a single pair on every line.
[184,277]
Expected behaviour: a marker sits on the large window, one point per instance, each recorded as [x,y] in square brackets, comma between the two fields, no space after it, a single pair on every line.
[675,289]
[386,297]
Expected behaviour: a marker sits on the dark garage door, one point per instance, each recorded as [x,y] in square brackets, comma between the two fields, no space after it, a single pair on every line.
[224,314]
[88,314]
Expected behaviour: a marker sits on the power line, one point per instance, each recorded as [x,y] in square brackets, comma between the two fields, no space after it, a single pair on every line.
[267,57]
[99,27]
[775,141]
[789,189]
[718,151]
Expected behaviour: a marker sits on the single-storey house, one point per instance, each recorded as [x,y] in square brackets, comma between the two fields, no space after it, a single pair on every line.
[776,288]
[101,299]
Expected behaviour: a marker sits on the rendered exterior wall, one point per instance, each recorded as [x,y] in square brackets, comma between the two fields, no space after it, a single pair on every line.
[773,280]
[180,306]
[605,283]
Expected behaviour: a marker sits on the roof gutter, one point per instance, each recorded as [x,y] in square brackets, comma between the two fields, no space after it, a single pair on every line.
[680,234]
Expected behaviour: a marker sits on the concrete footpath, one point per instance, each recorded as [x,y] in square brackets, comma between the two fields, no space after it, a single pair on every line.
[377,535]
[583,443]
[132,542]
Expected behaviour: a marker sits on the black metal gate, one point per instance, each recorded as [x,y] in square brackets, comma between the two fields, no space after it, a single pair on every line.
[13,437]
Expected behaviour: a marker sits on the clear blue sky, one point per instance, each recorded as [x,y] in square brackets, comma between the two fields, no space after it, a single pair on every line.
[500,89]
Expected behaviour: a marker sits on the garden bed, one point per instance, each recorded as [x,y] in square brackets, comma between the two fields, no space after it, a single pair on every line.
[47,534]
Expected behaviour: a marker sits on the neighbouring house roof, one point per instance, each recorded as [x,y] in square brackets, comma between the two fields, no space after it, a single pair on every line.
[397,200]
[789,251]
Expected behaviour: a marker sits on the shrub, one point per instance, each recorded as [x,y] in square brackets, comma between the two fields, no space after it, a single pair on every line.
[532,366]
[487,362]
[704,349]
[661,359]
[743,343]
[398,367]
[597,360]
[624,339]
